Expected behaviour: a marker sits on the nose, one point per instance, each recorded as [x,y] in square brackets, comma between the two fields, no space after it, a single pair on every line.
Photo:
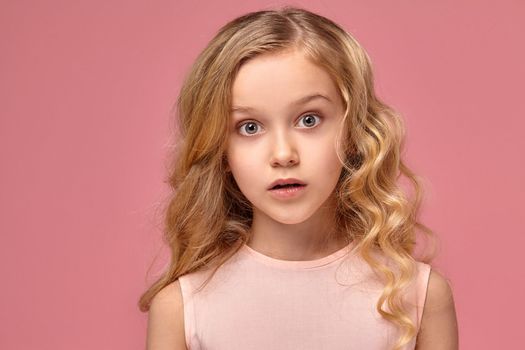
[284,152]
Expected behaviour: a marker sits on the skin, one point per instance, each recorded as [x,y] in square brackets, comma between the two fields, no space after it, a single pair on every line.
[285,147]
[286,140]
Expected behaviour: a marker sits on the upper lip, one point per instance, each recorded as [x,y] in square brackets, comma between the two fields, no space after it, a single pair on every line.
[286,181]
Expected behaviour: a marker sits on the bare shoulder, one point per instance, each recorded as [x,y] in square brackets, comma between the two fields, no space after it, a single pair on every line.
[166,320]
[439,293]
[439,328]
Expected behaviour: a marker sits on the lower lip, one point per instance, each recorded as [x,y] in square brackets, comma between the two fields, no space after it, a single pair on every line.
[289,192]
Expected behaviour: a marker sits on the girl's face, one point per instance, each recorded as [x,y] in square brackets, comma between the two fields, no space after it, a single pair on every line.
[282,127]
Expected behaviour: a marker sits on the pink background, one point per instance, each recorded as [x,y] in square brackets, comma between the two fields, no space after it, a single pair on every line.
[85,92]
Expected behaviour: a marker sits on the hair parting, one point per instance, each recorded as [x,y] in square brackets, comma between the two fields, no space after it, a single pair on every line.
[207,218]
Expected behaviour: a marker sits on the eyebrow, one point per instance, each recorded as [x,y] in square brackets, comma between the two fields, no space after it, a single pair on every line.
[298,102]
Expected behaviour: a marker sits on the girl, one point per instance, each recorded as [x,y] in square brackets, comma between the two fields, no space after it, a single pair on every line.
[287,227]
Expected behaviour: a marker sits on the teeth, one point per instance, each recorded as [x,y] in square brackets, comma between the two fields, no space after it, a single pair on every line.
[287,185]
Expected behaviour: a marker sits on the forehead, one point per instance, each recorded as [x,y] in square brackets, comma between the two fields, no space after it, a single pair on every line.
[281,80]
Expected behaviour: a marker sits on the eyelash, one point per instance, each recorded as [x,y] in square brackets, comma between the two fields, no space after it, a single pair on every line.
[304,115]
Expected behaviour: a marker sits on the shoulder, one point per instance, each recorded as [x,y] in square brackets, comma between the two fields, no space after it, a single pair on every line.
[166,319]
[439,329]
[439,292]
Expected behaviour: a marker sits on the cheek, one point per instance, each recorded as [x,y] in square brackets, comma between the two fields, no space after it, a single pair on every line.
[322,154]
[242,161]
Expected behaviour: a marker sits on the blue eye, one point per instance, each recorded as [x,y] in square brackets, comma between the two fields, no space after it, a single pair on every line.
[309,119]
[251,130]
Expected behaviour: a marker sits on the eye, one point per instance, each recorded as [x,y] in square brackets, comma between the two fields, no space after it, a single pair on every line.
[309,119]
[249,127]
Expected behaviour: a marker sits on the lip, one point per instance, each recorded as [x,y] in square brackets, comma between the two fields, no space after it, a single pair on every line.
[286,181]
[287,193]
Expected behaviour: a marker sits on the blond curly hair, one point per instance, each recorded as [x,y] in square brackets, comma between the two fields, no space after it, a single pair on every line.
[207,218]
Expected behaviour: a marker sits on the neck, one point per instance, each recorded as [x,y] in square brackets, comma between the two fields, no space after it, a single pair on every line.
[311,239]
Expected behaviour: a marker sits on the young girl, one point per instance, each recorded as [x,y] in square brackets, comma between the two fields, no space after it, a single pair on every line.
[287,226]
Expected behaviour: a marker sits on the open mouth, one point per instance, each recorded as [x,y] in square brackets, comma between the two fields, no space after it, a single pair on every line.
[276,187]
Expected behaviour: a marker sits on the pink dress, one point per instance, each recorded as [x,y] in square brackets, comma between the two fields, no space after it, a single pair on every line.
[258,302]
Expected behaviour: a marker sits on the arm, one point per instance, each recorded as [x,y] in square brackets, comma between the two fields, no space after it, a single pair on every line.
[439,328]
[166,320]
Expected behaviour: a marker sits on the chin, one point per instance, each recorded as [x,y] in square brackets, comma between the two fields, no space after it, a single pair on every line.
[290,219]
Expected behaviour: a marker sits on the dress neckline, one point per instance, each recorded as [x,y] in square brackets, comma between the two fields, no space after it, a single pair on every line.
[297,264]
